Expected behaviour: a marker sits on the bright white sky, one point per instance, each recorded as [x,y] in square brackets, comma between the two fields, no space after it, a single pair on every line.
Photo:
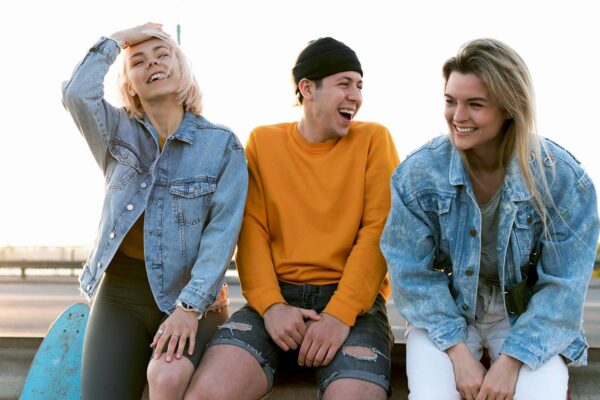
[242,53]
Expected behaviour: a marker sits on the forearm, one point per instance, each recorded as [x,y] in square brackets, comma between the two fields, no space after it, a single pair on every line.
[220,234]
[361,280]
[365,267]
[83,97]
[258,277]
[552,321]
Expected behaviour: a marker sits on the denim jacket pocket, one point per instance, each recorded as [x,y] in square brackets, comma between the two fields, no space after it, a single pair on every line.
[124,166]
[527,226]
[437,207]
[191,198]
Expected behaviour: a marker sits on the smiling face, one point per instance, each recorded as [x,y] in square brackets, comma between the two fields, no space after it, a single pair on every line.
[474,118]
[330,107]
[152,71]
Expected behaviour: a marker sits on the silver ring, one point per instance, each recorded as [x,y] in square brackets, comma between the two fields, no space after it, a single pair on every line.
[175,334]
[160,331]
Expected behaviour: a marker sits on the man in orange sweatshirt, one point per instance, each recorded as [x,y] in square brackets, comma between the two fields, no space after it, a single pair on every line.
[308,254]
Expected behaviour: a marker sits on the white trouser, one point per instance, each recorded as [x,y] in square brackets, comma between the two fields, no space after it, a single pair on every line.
[430,373]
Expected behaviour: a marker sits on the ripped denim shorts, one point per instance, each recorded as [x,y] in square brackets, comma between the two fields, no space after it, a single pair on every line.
[246,329]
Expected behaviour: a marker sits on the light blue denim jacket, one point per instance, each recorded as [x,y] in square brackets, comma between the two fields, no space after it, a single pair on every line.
[192,193]
[432,245]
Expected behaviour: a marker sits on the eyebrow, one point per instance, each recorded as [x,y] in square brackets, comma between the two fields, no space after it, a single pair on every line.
[141,53]
[469,99]
[349,79]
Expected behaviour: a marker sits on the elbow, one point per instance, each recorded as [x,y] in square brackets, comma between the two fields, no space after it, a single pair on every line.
[72,95]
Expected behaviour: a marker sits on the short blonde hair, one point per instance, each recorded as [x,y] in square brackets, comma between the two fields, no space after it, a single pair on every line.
[188,92]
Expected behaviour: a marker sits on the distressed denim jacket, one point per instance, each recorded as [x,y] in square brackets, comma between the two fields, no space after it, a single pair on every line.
[432,245]
[192,193]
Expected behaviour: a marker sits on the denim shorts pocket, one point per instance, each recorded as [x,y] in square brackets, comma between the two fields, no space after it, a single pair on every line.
[191,198]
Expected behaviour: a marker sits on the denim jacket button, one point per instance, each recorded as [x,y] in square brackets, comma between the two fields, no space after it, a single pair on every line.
[130,207]
[112,235]
[465,307]
[143,185]
[473,232]
[469,271]
[529,219]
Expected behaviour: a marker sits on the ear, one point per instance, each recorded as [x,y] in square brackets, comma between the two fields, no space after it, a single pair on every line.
[130,90]
[306,87]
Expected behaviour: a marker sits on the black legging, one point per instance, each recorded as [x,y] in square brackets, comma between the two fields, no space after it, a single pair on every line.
[121,326]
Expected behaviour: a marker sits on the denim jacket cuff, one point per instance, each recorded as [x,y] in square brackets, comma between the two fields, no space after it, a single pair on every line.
[195,298]
[446,337]
[576,352]
[523,351]
[108,47]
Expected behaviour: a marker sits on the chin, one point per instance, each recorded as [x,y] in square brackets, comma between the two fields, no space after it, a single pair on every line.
[343,132]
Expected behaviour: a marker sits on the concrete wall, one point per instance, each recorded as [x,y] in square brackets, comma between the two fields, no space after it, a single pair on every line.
[16,355]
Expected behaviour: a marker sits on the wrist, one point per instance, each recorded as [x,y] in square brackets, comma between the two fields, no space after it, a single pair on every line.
[272,307]
[458,351]
[333,318]
[188,308]
[118,40]
[510,361]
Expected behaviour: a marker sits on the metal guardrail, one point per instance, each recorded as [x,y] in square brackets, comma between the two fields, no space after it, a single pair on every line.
[24,265]
[75,266]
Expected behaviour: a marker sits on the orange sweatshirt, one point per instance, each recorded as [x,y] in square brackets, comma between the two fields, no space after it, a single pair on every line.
[314,214]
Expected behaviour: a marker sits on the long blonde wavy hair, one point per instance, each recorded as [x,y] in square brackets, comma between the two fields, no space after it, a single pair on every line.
[507,78]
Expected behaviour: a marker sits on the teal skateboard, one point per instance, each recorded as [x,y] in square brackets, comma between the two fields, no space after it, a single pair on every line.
[55,371]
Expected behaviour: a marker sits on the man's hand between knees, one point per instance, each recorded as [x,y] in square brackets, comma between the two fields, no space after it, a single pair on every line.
[322,341]
[285,324]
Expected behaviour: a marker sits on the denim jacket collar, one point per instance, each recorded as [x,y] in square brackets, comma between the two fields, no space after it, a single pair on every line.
[514,188]
[185,133]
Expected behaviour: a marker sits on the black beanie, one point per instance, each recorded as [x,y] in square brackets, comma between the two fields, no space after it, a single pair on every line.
[324,57]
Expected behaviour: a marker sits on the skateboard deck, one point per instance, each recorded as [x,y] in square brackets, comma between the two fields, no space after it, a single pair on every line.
[55,371]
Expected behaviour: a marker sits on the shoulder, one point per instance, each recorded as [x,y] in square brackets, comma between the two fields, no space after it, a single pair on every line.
[562,169]
[218,131]
[434,156]
[425,172]
[272,131]
[368,130]
[561,158]
[270,135]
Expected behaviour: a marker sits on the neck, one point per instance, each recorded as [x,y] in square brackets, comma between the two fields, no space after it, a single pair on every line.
[486,162]
[165,116]
[310,130]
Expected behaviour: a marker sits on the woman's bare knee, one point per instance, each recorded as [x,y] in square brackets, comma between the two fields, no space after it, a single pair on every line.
[169,380]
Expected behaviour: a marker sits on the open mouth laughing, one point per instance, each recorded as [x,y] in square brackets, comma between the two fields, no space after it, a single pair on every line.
[346,113]
[156,77]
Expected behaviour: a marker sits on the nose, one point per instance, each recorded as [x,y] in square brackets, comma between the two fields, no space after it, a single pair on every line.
[460,113]
[354,94]
[151,62]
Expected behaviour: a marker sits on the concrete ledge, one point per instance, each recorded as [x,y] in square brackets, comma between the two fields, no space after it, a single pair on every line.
[16,354]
